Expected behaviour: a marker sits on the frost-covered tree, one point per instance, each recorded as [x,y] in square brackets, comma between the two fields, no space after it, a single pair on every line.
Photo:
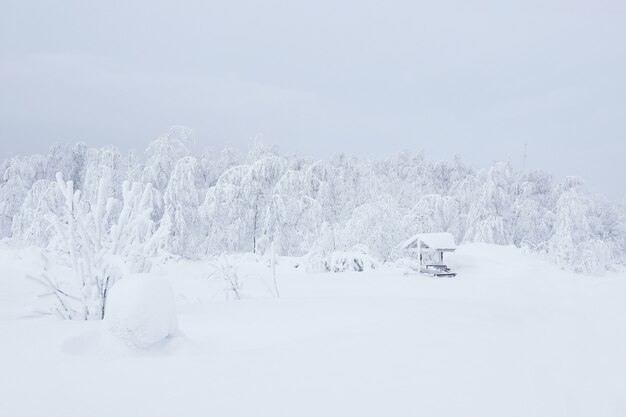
[621,231]
[258,187]
[325,185]
[375,228]
[573,243]
[181,209]
[164,152]
[435,213]
[489,215]
[106,164]
[18,176]
[224,213]
[69,160]
[30,225]
[532,216]
[293,219]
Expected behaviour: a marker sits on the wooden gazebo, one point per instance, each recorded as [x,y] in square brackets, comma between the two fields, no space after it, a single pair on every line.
[429,249]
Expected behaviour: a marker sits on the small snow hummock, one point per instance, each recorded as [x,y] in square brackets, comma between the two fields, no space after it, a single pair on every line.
[141,311]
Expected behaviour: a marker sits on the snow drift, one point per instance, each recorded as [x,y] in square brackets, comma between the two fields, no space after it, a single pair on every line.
[514,336]
[141,311]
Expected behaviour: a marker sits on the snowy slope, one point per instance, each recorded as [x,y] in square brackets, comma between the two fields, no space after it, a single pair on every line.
[511,335]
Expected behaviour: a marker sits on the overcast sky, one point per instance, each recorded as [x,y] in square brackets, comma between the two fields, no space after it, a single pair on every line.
[478,79]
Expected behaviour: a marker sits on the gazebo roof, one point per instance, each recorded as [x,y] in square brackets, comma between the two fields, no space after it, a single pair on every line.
[437,241]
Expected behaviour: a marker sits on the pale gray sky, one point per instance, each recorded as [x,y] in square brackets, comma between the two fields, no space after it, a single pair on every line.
[478,79]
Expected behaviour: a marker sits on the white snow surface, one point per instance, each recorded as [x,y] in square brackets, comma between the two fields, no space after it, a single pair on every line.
[511,335]
[140,311]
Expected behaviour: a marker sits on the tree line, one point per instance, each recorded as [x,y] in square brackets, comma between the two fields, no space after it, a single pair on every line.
[193,204]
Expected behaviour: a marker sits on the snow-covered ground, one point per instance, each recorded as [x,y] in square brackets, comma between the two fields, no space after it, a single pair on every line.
[510,336]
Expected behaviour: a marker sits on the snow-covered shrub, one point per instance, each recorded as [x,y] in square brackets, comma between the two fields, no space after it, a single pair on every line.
[141,311]
[232,282]
[595,257]
[239,276]
[356,259]
[351,261]
[100,242]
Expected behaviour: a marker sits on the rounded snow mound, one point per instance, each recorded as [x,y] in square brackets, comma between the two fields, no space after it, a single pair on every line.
[141,311]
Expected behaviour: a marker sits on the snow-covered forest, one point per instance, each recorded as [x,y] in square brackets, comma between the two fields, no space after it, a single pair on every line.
[190,202]
[430,221]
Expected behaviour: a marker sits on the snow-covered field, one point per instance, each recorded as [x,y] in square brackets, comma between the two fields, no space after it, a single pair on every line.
[510,336]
